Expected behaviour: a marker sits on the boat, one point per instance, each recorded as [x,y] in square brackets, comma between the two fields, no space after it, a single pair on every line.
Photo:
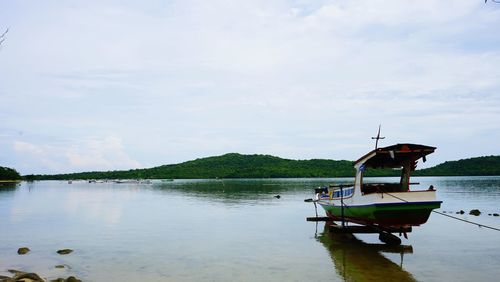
[133,181]
[385,206]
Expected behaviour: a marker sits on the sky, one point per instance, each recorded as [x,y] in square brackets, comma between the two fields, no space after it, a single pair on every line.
[110,85]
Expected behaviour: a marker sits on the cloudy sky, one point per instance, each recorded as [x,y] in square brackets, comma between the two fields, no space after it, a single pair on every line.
[104,85]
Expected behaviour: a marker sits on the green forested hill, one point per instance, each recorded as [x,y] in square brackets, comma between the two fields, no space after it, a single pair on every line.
[9,174]
[231,165]
[489,165]
[235,165]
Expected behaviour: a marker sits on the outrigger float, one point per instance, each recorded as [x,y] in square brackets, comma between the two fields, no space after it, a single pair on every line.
[382,208]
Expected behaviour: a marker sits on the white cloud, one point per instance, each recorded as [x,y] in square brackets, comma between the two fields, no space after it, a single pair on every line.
[107,153]
[27,148]
[93,154]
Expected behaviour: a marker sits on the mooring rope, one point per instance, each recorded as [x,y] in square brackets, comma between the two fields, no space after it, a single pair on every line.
[450,216]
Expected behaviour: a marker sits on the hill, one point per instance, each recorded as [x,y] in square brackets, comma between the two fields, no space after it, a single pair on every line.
[489,165]
[230,165]
[235,165]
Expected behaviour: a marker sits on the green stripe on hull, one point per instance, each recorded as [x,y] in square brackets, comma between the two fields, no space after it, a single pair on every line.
[386,214]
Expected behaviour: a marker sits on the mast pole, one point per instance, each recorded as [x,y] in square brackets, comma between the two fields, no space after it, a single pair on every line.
[378,137]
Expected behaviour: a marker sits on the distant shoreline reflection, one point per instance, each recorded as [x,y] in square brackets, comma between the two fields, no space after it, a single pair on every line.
[355,260]
[8,186]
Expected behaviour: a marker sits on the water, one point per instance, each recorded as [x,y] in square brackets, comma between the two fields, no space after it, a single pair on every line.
[235,230]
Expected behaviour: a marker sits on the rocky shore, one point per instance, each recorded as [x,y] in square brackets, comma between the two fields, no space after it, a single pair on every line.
[22,276]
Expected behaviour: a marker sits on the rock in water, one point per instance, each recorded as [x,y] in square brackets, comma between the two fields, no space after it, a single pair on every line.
[23,250]
[28,277]
[69,279]
[475,212]
[64,251]
[495,214]
[6,279]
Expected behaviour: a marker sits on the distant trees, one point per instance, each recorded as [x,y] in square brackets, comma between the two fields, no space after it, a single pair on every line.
[488,165]
[9,174]
[264,166]
[231,165]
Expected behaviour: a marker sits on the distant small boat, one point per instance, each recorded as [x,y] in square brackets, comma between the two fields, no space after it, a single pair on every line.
[133,181]
[386,205]
[125,181]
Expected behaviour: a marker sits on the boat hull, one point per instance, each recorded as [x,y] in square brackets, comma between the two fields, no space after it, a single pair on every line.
[384,214]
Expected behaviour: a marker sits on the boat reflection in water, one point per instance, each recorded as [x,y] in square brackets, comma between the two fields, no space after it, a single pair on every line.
[356,260]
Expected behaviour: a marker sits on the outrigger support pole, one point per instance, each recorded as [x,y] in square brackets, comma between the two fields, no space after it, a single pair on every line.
[315,209]
[342,205]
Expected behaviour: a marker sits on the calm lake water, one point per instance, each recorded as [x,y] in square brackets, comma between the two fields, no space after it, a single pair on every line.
[235,230]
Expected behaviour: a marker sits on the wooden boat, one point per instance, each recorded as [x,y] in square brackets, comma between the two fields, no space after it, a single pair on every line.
[384,205]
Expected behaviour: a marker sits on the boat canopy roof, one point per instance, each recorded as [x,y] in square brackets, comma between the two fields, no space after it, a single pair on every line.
[394,156]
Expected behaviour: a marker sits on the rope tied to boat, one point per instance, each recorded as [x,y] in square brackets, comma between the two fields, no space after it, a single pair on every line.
[450,216]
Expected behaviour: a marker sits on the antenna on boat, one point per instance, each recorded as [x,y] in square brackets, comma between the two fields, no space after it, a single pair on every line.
[378,137]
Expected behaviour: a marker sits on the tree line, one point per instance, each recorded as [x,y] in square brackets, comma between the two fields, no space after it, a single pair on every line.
[231,165]
[235,165]
[9,174]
